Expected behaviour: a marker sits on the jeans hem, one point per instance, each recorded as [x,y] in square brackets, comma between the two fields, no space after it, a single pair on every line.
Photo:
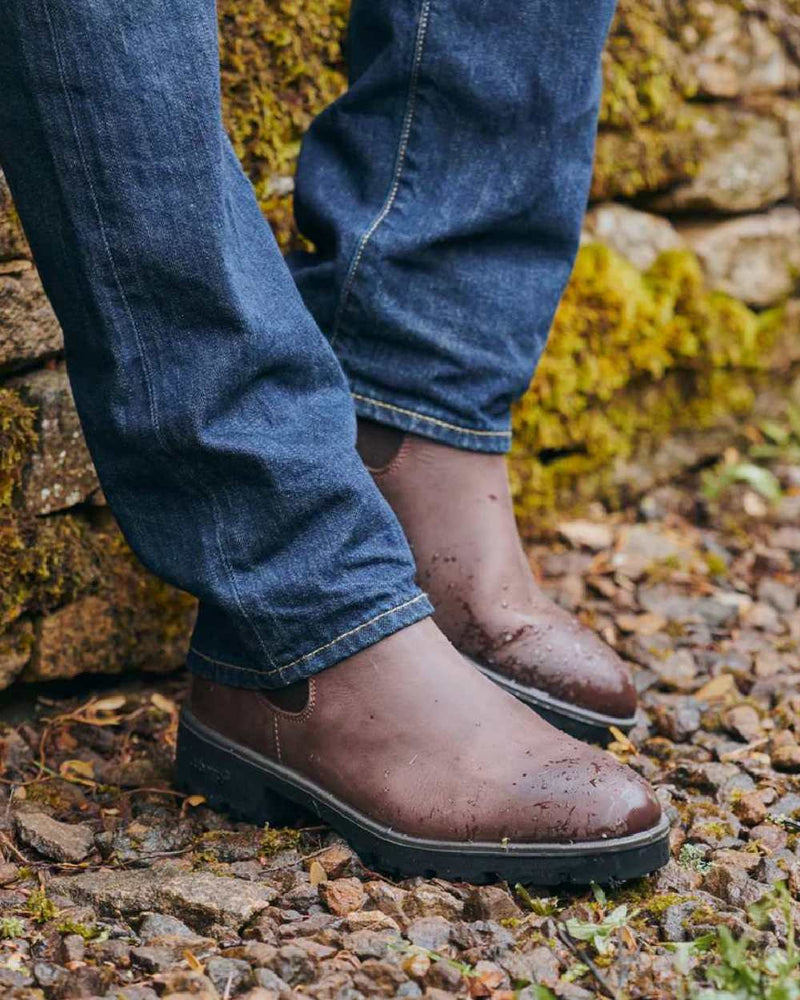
[367,633]
[405,419]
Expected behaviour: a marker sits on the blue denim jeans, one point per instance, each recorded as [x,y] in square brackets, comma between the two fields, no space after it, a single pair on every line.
[216,387]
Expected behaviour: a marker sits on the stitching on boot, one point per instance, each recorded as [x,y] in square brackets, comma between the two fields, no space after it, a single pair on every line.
[277,738]
[311,704]
[397,459]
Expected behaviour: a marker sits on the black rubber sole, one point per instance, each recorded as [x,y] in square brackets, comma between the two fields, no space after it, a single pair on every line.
[582,723]
[238,780]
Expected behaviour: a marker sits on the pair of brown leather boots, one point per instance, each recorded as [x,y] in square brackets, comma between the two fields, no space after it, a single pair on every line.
[415,749]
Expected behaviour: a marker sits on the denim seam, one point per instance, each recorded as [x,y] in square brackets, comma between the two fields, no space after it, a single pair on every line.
[431,420]
[405,134]
[314,652]
[152,406]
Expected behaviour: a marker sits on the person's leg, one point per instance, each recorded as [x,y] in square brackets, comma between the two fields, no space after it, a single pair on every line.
[444,193]
[224,437]
[216,413]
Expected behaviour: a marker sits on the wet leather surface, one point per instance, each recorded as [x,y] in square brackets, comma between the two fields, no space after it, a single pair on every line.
[456,510]
[409,733]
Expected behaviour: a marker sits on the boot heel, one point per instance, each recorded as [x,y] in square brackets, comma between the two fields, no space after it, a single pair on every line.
[228,782]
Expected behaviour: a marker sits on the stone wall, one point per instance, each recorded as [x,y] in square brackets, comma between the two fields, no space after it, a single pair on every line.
[679,322]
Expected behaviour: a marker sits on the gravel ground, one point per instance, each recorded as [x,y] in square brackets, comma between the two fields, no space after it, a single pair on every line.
[115,886]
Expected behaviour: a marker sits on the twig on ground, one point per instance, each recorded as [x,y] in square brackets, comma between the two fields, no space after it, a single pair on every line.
[581,955]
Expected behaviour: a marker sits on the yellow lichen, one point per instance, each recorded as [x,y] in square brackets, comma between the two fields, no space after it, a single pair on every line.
[281,63]
[17,440]
[632,357]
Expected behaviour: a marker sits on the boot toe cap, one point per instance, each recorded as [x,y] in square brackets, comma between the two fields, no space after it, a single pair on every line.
[574,666]
[592,798]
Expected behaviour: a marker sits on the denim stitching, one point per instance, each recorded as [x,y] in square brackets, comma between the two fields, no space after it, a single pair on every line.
[152,407]
[314,652]
[405,134]
[431,420]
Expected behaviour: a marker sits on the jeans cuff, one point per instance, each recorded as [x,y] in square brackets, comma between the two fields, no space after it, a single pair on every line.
[406,419]
[367,633]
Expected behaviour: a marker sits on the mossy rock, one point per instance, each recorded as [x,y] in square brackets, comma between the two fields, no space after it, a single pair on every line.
[17,440]
[127,619]
[633,357]
[646,80]
[69,585]
[281,64]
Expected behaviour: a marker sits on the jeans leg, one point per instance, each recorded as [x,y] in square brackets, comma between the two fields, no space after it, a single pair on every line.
[444,193]
[216,413]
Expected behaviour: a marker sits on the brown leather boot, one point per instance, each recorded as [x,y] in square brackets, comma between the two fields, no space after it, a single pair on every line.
[426,767]
[455,508]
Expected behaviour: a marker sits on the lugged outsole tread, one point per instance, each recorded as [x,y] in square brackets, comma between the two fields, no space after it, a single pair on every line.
[209,764]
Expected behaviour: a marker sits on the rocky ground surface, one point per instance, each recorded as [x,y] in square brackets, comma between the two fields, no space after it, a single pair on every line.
[116,886]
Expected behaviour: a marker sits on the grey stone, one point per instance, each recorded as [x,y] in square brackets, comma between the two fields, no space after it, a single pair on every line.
[432,901]
[539,965]
[294,965]
[642,546]
[673,920]
[368,943]
[491,902]
[13,244]
[135,992]
[587,534]
[673,605]
[58,841]
[29,330]
[15,651]
[638,236]
[432,933]
[49,976]
[755,258]
[677,671]
[152,959]
[204,900]
[269,980]
[60,472]
[746,167]
[158,924]
[229,975]
[737,54]
[781,596]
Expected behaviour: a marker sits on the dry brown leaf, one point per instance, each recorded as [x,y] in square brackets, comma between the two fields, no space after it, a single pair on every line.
[645,624]
[194,800]
[109,704]
[622,740]
[627,937]
[77,769]
[316,873]
[193,961]
[717,688]
[163,704]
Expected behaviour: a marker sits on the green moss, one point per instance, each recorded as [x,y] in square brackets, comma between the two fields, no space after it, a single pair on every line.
[17,440]
[44,562]
[11,927]
[40,908]
[645,80]
[274,841]
[281,63]
[89,932]
[632,357]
